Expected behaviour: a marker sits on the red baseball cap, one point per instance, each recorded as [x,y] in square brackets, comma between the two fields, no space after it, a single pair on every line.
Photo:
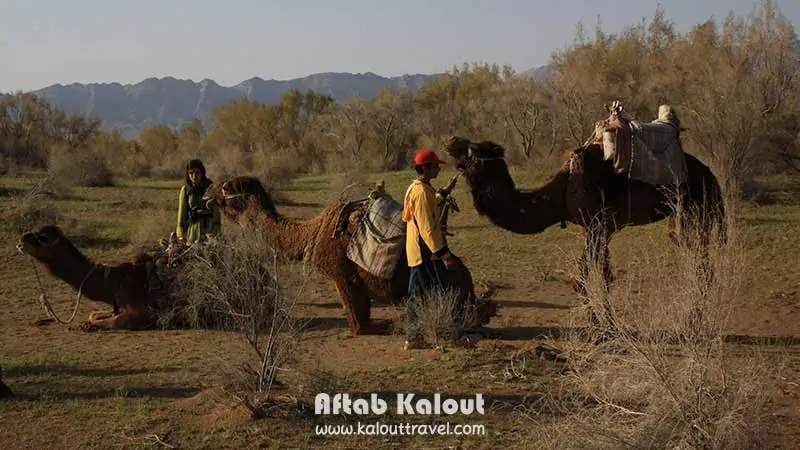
[426,156]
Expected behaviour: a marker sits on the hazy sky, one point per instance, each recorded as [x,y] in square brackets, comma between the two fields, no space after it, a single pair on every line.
[64,41]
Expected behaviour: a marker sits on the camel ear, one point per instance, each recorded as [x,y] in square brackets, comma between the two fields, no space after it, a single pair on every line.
[469,152]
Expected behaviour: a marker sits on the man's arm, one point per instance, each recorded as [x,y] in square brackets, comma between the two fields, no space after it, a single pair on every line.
[427,222]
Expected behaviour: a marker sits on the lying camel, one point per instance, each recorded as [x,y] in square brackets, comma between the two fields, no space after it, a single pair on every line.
[134,289]
[319,241]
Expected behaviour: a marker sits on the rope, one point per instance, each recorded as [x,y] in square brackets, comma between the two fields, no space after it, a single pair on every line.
[48,308]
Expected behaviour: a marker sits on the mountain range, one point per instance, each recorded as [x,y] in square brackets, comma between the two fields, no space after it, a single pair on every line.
[174,102]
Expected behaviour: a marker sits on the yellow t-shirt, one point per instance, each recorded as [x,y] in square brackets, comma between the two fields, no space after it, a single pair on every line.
[420,203]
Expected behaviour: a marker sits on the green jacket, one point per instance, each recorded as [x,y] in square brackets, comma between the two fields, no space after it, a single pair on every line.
[205,222]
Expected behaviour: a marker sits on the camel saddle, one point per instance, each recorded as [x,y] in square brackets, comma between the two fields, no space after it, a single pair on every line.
[650,152]
[378,243]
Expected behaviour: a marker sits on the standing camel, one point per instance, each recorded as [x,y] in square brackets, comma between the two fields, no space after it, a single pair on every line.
[323,241]
[587,192]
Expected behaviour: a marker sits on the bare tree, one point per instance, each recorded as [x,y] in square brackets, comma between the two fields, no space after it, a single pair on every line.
[524,107]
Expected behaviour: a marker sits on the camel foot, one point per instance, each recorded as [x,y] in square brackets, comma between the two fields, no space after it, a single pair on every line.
[5,391]
[468,340]
[97,316]
[485,312]
[375,327]
[90,327]
[99,321]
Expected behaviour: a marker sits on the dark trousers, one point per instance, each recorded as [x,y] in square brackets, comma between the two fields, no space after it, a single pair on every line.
[424,279]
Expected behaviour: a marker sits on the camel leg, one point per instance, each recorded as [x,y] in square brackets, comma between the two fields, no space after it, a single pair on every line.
[126,320]
[131,320]
[362,309]
[100,320]
[694,235]
[596,254]
[357,307]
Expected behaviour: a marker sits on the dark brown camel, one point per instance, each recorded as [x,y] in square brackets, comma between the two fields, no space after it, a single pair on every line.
[131,288]
[244,200]
[136,290]
[587,192]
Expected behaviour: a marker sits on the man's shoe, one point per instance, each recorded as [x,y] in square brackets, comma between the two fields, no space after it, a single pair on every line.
[413,345]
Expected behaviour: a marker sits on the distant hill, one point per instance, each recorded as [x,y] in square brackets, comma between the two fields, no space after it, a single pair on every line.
[174,102]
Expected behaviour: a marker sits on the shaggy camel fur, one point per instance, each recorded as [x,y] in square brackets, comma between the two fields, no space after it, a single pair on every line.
[322,242]
[587,192]
[133,288]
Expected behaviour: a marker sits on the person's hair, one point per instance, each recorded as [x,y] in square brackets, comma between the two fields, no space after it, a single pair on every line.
[197,165]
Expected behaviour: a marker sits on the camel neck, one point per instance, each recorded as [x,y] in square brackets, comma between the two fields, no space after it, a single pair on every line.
[72,270]
[81,273]
[288,236]
[520,212]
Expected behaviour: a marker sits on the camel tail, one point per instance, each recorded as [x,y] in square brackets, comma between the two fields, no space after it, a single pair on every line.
[718,212]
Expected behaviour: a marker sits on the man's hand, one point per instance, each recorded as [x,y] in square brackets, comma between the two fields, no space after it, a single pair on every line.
[450,184]
[449,261]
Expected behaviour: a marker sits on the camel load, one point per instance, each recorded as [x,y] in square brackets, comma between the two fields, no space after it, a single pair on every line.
[378,244]
[650,152]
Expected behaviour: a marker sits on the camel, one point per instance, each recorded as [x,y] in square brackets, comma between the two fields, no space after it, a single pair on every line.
[136,290]
[133,289]
[588,192]
[323,241]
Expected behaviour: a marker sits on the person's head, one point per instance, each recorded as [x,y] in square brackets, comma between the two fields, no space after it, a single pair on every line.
[427,164]
[195,171]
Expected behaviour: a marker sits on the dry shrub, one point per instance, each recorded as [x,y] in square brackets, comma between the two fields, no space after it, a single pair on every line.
[664,378]
[154,223]
[349,184]
[226,162]
[441,318]
[278,167]
[80,167]
[172,167]
[31,210]
[232,284]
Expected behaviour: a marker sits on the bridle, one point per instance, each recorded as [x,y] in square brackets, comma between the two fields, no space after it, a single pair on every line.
[474,160]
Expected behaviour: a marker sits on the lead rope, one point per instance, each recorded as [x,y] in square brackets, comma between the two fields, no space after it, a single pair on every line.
[48,308]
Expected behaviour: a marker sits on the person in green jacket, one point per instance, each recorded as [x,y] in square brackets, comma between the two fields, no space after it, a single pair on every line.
[195,220]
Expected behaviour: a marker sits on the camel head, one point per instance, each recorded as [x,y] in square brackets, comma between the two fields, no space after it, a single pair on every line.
[479,161]
[46,243]
[237,195]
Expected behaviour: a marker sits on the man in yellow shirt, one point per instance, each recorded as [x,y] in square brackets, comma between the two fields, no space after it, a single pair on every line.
[428,257]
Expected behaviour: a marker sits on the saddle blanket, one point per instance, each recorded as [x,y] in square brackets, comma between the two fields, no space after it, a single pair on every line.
[380,240]
[657,155]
